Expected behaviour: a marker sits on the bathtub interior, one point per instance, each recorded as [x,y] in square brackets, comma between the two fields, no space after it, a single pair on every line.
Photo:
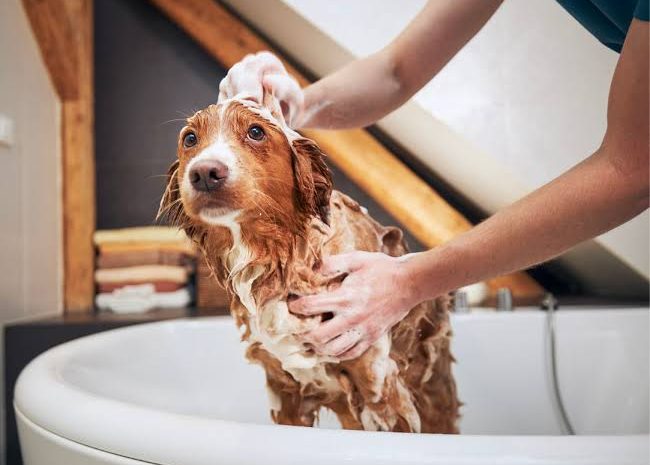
[197,368]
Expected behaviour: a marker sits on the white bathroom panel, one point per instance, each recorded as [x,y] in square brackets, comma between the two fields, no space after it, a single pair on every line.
[603,371]
[501,374]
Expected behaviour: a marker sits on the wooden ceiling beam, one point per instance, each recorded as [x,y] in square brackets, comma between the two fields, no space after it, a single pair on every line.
[64,33]
[53,24]
[356,152]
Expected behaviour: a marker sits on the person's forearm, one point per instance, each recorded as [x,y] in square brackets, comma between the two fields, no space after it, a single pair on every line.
[595,196]
[354,96]
[366,90]
[602,192]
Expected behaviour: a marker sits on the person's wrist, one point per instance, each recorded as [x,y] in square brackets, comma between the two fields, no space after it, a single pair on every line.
[297,120]
[305,116]
[313,102]
[408,280]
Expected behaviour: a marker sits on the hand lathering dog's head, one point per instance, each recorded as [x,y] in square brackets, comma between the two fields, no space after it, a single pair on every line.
[238,161]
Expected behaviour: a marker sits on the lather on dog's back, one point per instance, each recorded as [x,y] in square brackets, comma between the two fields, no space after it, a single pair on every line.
[257,198]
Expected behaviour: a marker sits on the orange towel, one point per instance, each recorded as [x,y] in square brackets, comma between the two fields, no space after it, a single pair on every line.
[147,238]
[143,257]
[140,274]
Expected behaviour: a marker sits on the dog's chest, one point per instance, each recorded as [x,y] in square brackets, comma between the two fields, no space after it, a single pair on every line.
[275,328]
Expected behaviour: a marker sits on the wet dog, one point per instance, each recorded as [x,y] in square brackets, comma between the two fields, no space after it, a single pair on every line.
[257,198]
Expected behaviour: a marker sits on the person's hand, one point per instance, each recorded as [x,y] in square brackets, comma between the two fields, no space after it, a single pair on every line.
[261,72]
[375,295]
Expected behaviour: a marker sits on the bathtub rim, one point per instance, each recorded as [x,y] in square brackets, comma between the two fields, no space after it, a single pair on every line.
[50,443]
[157,431]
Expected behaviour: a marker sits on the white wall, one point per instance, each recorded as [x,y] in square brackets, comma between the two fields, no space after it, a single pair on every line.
[30,191]
[522,102]
[30,212]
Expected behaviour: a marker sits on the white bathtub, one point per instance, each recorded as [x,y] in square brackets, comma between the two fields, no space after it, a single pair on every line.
[181,393]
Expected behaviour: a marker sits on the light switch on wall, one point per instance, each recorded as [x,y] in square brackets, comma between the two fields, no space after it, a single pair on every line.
[6,130]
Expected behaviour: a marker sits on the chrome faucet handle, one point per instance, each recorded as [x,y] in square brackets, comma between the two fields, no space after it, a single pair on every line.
[549,302]
[504,300]
[460,302]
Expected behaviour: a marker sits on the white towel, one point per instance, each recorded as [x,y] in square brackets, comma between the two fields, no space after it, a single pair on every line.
[141,298]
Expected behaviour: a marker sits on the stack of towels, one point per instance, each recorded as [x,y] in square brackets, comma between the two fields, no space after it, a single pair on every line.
[143,268]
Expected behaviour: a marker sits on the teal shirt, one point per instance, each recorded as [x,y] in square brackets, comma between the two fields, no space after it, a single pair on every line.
[607,20]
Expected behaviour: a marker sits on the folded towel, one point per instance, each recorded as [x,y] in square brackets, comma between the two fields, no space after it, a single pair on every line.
[140,274]
[159,286]
[140,234]
[143,257]
[146,246]
[141,298]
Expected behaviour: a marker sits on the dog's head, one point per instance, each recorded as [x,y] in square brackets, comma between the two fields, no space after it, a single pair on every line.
[238,162]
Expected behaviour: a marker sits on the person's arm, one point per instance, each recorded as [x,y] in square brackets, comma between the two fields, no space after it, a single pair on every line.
[604,191]
[607,189]
[369,88]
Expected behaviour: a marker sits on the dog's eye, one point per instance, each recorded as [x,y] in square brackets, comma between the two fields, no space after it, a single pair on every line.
[256,132]
[189,140]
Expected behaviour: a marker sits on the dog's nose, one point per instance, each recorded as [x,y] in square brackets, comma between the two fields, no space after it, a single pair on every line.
[207,176]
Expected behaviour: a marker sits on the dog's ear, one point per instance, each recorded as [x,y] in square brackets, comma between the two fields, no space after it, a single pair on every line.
[313,179]
[171,206]
[392,241]
[170,202]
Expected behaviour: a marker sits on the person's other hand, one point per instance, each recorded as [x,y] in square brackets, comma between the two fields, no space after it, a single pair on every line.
[259,72]
[375,295]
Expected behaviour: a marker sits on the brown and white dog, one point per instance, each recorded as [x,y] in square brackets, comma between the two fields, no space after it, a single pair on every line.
[257,198]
